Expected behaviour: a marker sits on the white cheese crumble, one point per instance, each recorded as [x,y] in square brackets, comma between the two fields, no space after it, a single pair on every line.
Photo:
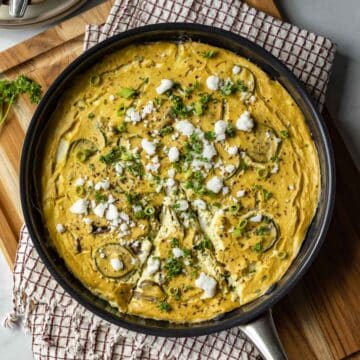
[236,69]
[60,228]
[112,212]
[79,182]
[240,193]
[132,115]
[184,127]
[291,187]
[116,264]
[182,205]
[225,190]
[232,150]
[112,97]
[104,184]
[148,146]
[174,154]
[119,168]
[199,204]
[229,168]
[170,182]
[209,151]
[215,184]
[87,221]
[213,82]
[220,129]
[164,86]
[171,173]
[99,209]
[123,227]
[153,265]
[277,140]
[256,218]
[245,122]
[147,109]
[154,165]
[207,284]
[275,169]
[177,252]
[124,216]
[80,207]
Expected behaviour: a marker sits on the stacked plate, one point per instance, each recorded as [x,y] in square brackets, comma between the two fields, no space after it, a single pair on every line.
[26,13]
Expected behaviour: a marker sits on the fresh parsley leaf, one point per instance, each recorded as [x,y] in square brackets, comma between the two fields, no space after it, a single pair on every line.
[209,54]
[164,306]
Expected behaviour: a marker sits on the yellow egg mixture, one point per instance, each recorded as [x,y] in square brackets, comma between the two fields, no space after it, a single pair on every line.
[178,180]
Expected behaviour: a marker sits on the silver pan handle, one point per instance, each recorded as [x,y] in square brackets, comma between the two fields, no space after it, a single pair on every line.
[17,8]
[262,332]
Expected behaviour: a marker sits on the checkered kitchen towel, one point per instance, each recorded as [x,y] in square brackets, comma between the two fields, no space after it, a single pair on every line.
[63,329]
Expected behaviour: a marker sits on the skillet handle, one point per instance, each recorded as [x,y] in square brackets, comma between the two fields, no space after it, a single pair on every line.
[262,332]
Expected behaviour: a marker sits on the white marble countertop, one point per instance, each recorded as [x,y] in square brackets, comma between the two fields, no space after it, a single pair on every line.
[331,18]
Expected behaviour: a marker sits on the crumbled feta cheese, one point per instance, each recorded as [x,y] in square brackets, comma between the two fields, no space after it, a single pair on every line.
[90,184]
[132,115]
[116,264]
[153,265]
[209,151]
[123,227]
[229,168]
[275,168]
[277,140]
[164,86]
[124,216]
[256,218]
[240,193]
[184,127]
[177,252]
[136,208]
[236,69]
[213,82]
[214,184]
[173,154]
[112,97]
[245,122]
[170,182]
[171,173]
[104,184]
[154,165]
[291,187]
[182,205]
[99,209]
[147,109]
[252,99]
[80,207]
[119,168]
[207,284]
[112,212]
[87,221]
[225,190]
[199,204]
[232,150]
[148,146]
[79,182]
[110,199]
[220,129]
[60,228]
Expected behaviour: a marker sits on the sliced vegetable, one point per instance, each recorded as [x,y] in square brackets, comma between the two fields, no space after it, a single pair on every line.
[95,80]
[83,149]
[127,93]
[104,255]
[150,291]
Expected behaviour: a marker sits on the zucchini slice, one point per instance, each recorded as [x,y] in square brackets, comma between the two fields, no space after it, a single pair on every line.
[265,231]
[150,291]
[263,144]
[82,149]
[248,78]
[103,256]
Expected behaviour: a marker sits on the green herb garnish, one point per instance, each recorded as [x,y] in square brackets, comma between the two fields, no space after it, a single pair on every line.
[11,89]
[164,306]
[166,130]
[284,134]
[209,54]
[173,267]
[258,247]
[204,244]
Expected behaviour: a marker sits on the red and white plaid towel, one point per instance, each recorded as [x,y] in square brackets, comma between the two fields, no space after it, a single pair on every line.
[63,329]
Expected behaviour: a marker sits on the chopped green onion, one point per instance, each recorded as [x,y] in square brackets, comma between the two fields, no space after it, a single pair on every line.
[121,127]
[127,93]
[234,208]
[175,292]
[199,108]
[149,210]
[282,255]
[91,115]
[262,173]
[80,190]
[121,110]
[284,134]
[140,214]
[95,80]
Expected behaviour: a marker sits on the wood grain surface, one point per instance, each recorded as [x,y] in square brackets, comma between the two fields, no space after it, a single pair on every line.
[320,318]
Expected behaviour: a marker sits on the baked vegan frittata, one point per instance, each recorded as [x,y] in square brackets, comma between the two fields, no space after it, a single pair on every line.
[178,180]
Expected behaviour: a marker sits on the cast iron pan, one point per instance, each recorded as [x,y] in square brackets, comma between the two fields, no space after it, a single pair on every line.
[255,317]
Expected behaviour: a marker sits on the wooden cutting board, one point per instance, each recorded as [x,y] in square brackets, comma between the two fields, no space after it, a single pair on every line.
[320,318]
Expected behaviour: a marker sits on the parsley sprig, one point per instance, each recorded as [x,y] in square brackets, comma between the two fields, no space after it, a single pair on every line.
[11,89]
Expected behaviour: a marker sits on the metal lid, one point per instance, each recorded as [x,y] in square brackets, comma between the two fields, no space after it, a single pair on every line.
[37,12]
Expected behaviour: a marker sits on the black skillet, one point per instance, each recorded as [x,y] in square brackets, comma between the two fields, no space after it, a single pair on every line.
[254,318]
